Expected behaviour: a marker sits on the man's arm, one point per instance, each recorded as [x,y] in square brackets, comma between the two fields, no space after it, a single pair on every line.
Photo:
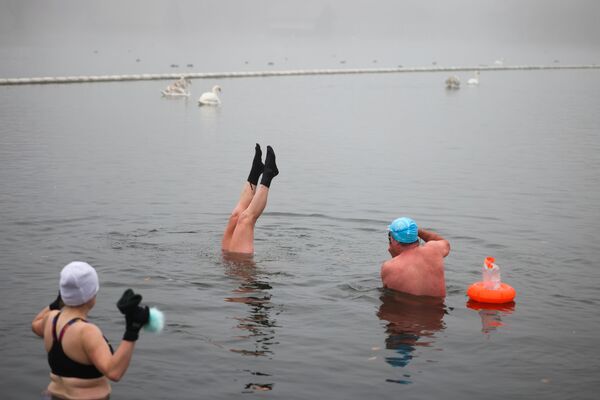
[429,236]
[385,273]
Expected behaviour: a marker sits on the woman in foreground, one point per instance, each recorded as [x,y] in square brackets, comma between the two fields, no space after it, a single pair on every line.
[81,360]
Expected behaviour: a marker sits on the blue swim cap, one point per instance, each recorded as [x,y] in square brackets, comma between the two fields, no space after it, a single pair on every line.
[404,230]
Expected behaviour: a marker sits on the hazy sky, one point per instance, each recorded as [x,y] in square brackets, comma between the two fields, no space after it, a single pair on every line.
[62,34]
[573,21]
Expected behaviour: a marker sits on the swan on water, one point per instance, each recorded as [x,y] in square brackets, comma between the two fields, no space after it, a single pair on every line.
[475,80]
[453,82]
[210,98]
[499,62]
[178,88]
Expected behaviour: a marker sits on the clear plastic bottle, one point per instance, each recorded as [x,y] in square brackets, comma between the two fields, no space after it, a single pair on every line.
[491,274]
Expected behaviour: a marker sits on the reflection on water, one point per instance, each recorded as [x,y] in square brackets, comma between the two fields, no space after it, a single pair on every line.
[491,314]
[258,324]
[412,322]
[209,119]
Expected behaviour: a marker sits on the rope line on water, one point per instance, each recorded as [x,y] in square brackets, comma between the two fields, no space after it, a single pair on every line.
[256,74]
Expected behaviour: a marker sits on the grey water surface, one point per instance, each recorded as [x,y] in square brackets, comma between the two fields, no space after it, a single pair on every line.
[141,186]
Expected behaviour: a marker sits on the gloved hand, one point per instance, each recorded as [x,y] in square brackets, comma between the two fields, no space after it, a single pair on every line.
[57,304]
[136,316]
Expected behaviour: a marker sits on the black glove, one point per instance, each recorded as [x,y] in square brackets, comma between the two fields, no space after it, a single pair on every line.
[136,316]
[57,304]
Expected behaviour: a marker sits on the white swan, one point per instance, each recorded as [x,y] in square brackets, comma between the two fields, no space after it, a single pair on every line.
[178,88]
[453,82]
[499,62]
[210,98]
[475,80]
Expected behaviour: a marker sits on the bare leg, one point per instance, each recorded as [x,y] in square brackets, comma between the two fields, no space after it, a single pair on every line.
[242,239]
[245,198]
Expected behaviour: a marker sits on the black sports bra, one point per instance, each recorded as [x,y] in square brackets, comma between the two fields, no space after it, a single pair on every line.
[61,364]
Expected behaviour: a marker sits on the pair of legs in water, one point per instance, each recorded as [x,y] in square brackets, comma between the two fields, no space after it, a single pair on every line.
[239,234]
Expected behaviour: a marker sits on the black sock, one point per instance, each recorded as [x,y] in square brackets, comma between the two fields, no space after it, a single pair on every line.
[257,166]
[271,170]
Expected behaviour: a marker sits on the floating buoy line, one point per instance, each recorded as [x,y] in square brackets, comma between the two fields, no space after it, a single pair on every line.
[298,72]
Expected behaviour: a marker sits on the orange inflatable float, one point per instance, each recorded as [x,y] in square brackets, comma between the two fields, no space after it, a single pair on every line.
[491,290]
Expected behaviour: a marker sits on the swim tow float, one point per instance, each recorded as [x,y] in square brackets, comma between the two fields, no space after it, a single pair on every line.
[491,289]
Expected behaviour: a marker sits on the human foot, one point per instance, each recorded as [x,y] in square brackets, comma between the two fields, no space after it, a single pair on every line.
[270,170]
[257,166]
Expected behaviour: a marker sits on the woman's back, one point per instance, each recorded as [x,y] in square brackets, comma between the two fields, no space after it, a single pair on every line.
[73,374]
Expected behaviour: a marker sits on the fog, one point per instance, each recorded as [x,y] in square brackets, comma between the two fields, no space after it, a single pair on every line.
[536,21]
[232,34]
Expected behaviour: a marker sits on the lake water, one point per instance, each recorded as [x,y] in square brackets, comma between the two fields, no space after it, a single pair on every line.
[141,187]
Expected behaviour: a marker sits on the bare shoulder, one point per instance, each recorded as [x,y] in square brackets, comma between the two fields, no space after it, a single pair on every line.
[440,246]
[90,329]
[391,263]
[46,322]
[90,334]
[389,267]
[51,314]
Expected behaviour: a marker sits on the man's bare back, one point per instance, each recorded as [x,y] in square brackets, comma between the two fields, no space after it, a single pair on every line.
[415,269]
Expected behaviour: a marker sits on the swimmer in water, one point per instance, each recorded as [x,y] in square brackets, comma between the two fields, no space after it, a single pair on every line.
[415,269]
[239,233]
[81,359]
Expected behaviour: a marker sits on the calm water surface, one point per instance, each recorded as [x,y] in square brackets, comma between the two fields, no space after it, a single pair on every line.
[141,186]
